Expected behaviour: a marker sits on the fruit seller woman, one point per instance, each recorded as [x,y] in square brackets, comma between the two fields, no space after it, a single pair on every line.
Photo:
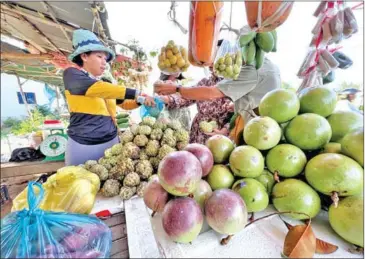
[212,110]
[181,113]
[92,102]
[246,92]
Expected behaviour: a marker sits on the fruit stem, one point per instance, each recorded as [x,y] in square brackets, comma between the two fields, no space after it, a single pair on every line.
[276,177]
[153,214]
[252,217]
[278,213]
[225,240]
[335,199]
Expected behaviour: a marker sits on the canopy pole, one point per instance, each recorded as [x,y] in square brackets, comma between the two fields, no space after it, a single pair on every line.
[23,96]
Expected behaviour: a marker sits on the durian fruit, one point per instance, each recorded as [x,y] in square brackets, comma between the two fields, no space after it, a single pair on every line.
[104,162]
[149,121]
[108,153]
[206,127]
[174,124]
[110,188]
[131,180]
[161,123]
[125,166]
[117,149]
[169,140]
[126,136]
[168,131]
[152,148]
[155,161]
[164,150]
[143,155]
[156,134]
[181,135]
[140,140]
[144,169]
[90,163]
[144,130]
[134,129]
[127,192]
[100,171]
[131,150]
[181,145]
[116,174]
[140,188]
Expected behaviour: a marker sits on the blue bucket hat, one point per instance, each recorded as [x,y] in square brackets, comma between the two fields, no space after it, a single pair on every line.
[85,41]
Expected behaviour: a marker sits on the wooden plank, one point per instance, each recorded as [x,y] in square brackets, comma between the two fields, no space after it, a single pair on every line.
[117,219]
[119,246]
[29,168]
[124,254]
[118,232]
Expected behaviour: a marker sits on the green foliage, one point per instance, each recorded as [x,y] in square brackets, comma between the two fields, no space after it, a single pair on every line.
[346,85]
[30,124]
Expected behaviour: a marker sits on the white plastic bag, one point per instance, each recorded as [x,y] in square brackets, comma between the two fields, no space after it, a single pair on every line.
[228,61]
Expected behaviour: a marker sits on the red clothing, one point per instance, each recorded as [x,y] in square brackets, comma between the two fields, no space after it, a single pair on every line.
[216,110]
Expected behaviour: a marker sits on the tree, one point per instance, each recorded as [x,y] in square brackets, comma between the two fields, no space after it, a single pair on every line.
[346,85]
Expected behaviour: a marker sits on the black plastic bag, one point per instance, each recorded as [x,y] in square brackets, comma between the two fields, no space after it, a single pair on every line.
[26,154]
[344,61]
[329,78]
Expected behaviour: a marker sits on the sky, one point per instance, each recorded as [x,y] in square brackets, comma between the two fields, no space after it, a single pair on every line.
[148,23]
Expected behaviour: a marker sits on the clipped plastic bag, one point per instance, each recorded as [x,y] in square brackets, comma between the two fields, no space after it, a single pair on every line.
[152,111]
[71,189]
[228,61]
[265,16]
[173,59]
[36,233]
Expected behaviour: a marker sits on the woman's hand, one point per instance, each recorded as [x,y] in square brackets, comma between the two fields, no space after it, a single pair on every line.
[165,88]
[149,101]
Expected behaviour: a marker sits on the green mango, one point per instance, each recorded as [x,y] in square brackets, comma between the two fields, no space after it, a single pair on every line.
[251,53]
[265,41]
[260,56]
[245,39]
[275,36]
[123,125]
[122,115]
[122,120]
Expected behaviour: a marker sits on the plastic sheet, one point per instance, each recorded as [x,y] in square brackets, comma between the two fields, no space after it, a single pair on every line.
[71,189]
[36,233]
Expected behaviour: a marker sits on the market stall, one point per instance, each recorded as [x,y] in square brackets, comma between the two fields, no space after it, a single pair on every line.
[288,184]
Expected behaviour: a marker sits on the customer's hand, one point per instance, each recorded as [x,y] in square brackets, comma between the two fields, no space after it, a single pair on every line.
[222,131]
[165,88]
[149,101]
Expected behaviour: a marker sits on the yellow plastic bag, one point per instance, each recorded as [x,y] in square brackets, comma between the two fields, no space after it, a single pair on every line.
[71,189]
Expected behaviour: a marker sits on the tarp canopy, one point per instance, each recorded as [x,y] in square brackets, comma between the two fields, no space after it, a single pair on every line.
[46,30]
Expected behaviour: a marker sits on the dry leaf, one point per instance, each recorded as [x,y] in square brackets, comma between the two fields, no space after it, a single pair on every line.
[300,242]
[322,247]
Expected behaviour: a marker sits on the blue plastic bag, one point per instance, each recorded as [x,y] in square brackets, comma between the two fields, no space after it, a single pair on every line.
[35,233]
[152,111]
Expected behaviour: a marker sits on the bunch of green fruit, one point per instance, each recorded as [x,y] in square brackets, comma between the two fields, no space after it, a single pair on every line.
[254,45]
[229,65]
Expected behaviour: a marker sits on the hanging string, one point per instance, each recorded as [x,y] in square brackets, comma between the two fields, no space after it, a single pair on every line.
[172,17]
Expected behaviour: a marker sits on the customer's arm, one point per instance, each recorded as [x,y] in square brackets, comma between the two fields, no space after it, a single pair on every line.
[200,93]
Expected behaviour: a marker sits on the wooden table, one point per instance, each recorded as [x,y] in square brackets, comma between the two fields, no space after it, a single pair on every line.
[117,225]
